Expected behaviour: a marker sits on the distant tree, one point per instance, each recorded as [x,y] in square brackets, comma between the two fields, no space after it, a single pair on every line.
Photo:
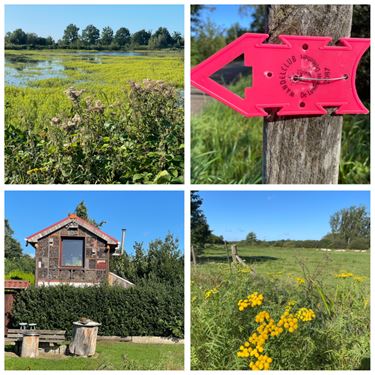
[351,223]
[251,238]
[234,32]
[18,37]
[160,39]
[141,37]
[106,36]
[82,212]
[12,248]
[32,38]
[215,240]
[200,230]
[90,35]
[71,36]
[177,40]
[122,37]
[49,41]
[258,16]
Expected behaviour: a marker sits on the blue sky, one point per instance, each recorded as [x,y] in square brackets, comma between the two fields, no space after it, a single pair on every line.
[225,15]
[273,215]
[51,20]
[146,215]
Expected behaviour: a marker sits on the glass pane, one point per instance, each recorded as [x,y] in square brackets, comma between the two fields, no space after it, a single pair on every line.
[72,252]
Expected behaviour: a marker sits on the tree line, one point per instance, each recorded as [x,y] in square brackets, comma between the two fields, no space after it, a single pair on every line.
[92,38]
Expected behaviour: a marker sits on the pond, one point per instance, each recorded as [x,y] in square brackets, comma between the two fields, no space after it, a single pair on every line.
[21,70]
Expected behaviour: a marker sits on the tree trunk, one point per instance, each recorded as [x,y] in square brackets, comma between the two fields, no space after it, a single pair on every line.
[304,150]
[84,340]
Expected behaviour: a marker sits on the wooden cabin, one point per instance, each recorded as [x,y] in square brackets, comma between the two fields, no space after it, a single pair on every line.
[73,251]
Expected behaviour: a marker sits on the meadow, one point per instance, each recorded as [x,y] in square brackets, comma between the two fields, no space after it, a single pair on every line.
[93,117]
[110,356]
[285,309]
[226,147]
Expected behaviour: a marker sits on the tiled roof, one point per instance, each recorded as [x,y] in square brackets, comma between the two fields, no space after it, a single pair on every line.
[72,218]
[16,284]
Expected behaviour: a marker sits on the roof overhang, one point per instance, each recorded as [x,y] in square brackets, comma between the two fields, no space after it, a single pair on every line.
[72,219]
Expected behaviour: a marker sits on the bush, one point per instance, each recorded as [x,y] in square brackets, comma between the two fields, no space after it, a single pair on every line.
[20,275]
[148,310]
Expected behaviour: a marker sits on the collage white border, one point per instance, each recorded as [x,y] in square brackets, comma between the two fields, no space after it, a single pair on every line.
[186,187]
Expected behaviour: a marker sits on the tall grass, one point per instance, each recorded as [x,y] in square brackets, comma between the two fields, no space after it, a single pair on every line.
[226,147]
[337,339]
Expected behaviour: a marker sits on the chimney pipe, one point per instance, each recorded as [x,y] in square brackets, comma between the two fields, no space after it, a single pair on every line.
[122,248]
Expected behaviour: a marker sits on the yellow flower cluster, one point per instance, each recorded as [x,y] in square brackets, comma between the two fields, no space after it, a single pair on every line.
[210,293]
[263,363]
[360,279]
[300,280]
[252,300]
[344,275]
[288,322]
[305,315]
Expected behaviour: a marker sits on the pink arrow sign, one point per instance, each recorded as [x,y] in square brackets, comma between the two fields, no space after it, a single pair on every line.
[302,76]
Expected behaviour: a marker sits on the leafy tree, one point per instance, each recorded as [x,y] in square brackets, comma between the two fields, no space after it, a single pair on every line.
[162,262]
[351,223]
[215,240]
[82,212]
[207,40]
[18,36]
[234,32]
[177,39]
[12,248]
[106,36]
[141,37]
[200,230]
[90,35]
[160,39]
[71,34]
[251,238]
[122,37]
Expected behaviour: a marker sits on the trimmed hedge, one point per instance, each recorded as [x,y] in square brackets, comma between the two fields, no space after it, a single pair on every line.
[153,309]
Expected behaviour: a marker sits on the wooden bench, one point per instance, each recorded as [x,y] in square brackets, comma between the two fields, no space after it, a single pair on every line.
[51,336]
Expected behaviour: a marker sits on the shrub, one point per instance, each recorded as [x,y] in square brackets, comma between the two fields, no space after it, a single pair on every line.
[24,263]
[20,275]
[137,139]
[147,310]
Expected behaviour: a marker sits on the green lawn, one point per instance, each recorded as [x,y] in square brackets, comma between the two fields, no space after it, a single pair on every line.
[110,356]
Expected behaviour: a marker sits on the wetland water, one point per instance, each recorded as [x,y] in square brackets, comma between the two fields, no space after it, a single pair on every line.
[23,70]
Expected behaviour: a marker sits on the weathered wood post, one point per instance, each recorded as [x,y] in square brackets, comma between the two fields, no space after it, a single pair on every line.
[194,259]
[234,253]
[304,150]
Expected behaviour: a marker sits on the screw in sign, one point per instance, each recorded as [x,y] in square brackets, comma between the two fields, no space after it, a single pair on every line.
[302,76]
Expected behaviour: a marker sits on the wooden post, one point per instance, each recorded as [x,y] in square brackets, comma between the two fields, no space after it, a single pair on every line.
[226,249]
[193,255]
[304,150]
[234,253]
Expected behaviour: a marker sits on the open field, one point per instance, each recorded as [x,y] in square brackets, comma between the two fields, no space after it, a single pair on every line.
[334,285]
[110,356]
[42,118]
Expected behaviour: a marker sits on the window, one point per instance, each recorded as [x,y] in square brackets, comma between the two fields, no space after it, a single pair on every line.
[72,252]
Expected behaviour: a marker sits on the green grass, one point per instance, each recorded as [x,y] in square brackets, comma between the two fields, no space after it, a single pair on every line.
[226,147]
[339,337]
[110,356]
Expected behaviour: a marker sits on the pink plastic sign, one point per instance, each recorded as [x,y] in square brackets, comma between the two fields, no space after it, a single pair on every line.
[301,76]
